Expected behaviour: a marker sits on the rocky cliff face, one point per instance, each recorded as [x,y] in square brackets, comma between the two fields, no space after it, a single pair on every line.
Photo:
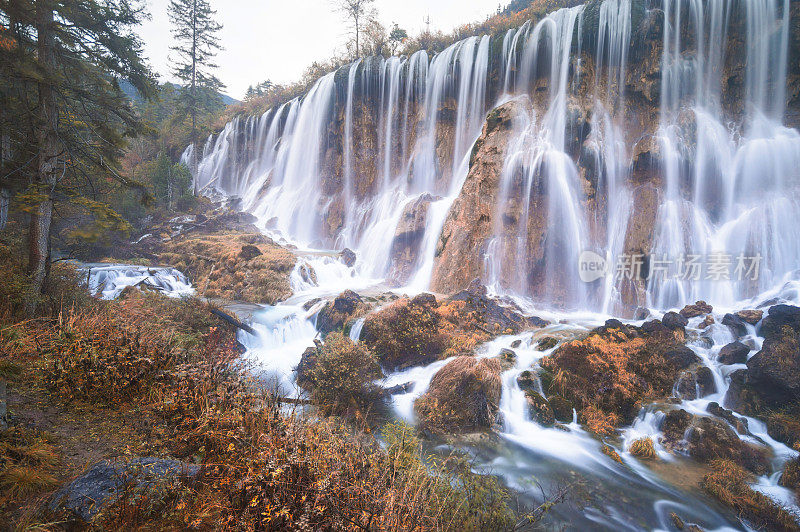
[594,124]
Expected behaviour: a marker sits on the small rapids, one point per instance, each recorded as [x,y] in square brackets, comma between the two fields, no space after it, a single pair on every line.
[109,280]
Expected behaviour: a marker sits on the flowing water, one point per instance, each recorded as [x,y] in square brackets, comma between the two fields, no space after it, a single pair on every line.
[729,180]
[109,280]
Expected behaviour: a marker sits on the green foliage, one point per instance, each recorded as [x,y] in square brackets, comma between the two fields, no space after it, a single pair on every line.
[195,32]
[343,375]
[171,183]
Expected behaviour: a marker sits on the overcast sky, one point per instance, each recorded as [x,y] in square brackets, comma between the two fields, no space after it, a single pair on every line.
[278,39]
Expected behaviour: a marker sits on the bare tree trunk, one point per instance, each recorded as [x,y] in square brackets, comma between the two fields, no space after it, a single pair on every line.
[39,230]
[5,200]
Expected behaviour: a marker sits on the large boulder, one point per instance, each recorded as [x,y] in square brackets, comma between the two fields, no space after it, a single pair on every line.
[470,221]
[712,439]
[336,314]
[107,481]
[695,383]
[489,314]
[698,309]
[614,370]
[463,397]
[406,333]
[775,370]
[733,353]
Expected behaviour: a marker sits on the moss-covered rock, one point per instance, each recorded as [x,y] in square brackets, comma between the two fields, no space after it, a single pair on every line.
[463,397]
[616,369]
[730,484]
[336,314]
[539,409]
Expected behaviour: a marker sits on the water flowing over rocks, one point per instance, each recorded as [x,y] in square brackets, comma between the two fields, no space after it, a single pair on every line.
[653,131]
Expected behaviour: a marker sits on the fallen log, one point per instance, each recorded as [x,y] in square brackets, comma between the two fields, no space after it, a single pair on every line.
[233,321]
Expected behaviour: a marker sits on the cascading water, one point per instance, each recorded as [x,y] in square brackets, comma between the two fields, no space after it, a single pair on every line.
[109,280]
[342,166]
[743,177]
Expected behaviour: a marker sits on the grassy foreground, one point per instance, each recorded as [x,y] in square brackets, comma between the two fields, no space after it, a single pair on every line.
[148,376]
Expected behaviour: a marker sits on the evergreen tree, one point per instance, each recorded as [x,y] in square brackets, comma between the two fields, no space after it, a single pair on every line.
[65,118]
[195,31]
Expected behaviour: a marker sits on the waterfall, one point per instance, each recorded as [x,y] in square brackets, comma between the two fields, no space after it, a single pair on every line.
[741,200]
[341,165]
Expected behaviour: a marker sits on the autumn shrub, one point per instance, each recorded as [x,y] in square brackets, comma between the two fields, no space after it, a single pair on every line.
[344,375]
[116,351]
[28,462]
[730,483]
[643,448]
[405,334]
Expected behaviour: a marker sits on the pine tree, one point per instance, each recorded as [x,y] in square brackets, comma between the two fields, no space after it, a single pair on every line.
[65,118]
[195,31]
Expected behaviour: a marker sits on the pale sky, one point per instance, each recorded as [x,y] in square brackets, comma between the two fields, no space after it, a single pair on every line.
[278,39]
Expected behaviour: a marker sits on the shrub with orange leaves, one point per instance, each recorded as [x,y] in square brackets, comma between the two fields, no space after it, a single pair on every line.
[612,370]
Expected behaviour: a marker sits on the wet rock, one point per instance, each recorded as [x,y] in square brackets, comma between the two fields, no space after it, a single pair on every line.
[249,252]
[740,396]
[336,314]
[463,396]
[424,299]
[399,388]
[516,343]
[614,324]
[407,241]
[539,409]
[695,383]
[675,424]
[308,304]
[711,439]
[698,309]
[507,358]
[654,327]
[563,409]
[498,319]
[305,369]
[739,423]
[640,313]
[750,316]
[779,316]
[735,324]
[707,322]
[548,342]
[673,320]
[775,370]
[472,217]
[348,257]
[734,353]
[526,381]
[681,356]
[106,482]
